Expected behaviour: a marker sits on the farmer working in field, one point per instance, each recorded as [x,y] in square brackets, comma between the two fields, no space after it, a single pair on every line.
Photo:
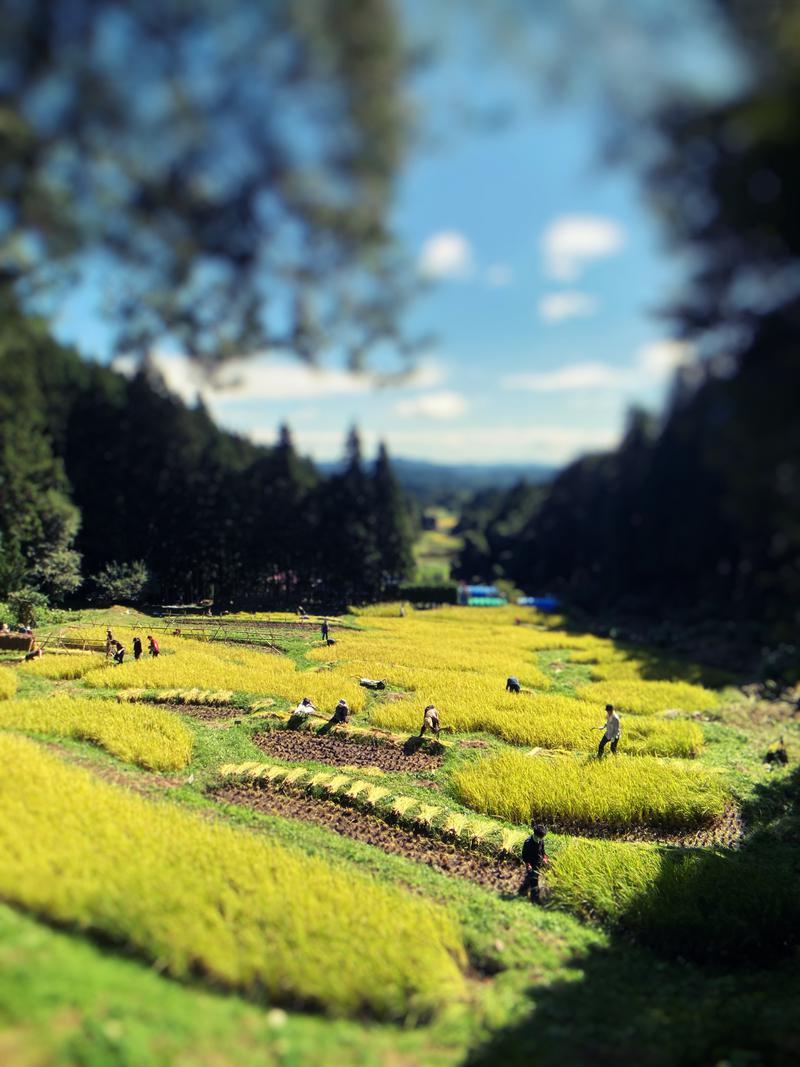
[339,718]
[324,629]
[152,646]
[110,643]
[372,683]
[534,857]
[137,648]
[611,731]
[430,721]
[305,707]
[119,652]
[512,684]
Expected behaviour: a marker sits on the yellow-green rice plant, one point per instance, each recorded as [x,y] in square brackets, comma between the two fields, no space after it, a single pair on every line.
[548,720]
[204,899]
[428,813]
[615,792]
[455,823]
[402,805]
[390,609]
[320,778]
[511,840]
[336,783]
[62,667]
[479,830]
[356,789]
[295,775]
[644,697]
[601,879]
[8,683]
[148,736]
[376,793]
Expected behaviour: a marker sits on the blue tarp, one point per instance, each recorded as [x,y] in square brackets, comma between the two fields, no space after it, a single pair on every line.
[482,590]
[543,603]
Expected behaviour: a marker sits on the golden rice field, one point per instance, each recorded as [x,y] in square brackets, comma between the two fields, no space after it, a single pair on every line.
[8,683]
[617,792]
[148,736]
[62,667]
[639,697]
[186,664]
[199,897]
[548,720]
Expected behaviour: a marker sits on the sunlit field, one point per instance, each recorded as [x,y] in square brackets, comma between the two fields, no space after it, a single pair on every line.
[358,871]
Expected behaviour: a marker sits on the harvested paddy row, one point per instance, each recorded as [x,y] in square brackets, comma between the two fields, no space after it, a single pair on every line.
[341,752]
[500,874]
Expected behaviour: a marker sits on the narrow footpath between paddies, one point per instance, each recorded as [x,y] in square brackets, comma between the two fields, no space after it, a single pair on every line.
[497,873]
[338,751]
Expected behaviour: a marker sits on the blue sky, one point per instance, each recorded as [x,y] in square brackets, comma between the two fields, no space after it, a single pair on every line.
[546,275]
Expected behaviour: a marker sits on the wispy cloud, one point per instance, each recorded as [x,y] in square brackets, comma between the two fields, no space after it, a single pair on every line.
[441,406]
[447,254]
[571,242]
[652,365]
[567,304]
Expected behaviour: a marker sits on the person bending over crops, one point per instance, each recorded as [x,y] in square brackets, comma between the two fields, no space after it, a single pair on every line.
[304,708]
[119,652]
[152,645]
[777,754]
[430,721]
[372,683]
[340,716]
[512,684]
[534,857]
[137,648]
[611,731]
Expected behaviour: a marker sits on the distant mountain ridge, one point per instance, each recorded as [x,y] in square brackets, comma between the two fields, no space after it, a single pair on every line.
[419,476]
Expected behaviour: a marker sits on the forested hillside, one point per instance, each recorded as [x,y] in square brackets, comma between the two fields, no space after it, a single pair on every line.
[99,469]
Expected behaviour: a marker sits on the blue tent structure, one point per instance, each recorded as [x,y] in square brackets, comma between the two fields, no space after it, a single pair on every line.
[481,596]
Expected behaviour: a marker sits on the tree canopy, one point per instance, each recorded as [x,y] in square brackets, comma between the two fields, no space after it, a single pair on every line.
[226,166]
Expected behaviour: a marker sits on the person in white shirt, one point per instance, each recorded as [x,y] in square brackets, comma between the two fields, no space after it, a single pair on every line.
[611,731]
[305,707]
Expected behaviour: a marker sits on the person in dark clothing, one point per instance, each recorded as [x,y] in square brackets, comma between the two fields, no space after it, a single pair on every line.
[152,645]
[137,648]
[324,629]
[339,718]
[534,857]
[119,654]
[512,685]
[777,754]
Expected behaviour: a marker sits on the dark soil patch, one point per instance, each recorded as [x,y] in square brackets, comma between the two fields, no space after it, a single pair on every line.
[209,712]
[727,831]
[495,873]
[339,751]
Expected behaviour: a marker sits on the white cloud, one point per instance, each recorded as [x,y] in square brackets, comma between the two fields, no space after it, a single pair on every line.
[447,254]
[660,359]
[498,275]
[502,443]
[571,242]
[567,304]
[443,405]
[653,364]
[277,378]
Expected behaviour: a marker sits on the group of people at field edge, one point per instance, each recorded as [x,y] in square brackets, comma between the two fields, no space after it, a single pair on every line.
[115,650]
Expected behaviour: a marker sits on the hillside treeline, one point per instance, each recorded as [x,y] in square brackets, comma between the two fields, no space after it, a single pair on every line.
[99,469]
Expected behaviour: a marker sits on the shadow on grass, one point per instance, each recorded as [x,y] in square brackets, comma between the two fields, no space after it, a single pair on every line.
[624,1007]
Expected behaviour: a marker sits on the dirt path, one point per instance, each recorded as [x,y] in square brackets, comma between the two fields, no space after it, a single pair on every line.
[340,751]
[499,875]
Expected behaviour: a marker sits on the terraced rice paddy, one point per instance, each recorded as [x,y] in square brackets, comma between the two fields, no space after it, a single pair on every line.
[364,873]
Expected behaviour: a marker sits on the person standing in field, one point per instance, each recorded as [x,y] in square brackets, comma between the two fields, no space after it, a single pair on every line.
[430,721]
[137,648]
[512,684]
[611,731]
[534,857]
[152,646]
[110,643]
[324,629]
